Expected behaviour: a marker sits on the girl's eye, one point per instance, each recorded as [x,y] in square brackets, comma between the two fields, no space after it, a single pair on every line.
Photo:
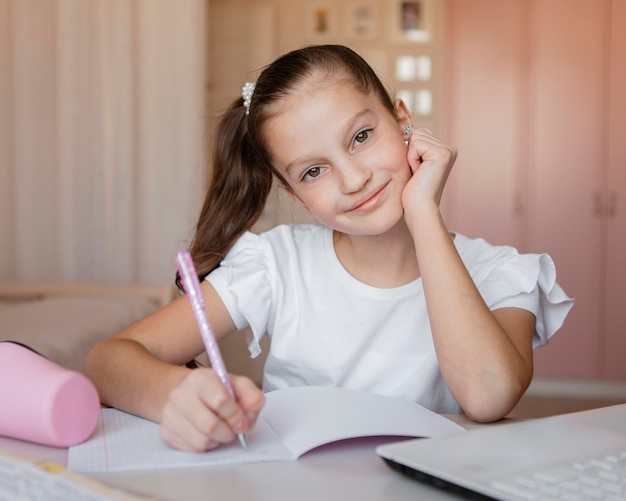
[312,173]
[361,137]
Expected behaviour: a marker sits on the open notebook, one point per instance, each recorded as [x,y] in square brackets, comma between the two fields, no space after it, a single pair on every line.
[293,421]
[581,455]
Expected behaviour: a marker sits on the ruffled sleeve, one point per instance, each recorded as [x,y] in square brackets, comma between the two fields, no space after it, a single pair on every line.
[506,278]
[243,283]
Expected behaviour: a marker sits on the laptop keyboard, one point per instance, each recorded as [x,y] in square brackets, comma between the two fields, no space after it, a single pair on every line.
[594,479]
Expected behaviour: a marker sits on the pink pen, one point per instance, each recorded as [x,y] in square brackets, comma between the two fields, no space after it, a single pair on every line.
[191,284]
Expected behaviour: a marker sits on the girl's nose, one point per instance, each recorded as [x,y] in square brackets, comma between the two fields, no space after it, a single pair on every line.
[354,177]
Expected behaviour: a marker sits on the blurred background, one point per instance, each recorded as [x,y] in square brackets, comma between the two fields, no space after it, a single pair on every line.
[107,109]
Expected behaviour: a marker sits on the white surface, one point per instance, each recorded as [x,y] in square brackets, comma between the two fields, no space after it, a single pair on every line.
[341,471]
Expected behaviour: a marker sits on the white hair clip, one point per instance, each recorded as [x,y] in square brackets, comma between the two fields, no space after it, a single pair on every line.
[246,93]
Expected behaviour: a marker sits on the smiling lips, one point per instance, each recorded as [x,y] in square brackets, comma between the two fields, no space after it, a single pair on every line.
[369,202]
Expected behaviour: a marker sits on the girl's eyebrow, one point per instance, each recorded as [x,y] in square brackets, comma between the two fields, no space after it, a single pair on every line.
[345,129]
[350,124]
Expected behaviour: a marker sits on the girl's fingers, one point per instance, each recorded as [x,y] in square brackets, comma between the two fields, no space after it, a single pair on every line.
[430,160]
[200,413]
[424,147]
[207,432]
[239,412]
[249,397]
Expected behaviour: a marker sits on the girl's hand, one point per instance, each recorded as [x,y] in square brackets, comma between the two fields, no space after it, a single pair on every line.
[200,414]
[431,161]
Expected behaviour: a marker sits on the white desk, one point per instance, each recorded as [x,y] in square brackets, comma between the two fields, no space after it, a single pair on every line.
[340,471]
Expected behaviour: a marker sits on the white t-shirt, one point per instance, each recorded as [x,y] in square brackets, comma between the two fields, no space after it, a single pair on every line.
[329,329]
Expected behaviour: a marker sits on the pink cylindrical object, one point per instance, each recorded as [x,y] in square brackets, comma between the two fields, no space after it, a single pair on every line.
[43,402]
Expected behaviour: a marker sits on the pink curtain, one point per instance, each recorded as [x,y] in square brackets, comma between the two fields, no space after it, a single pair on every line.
[102,164]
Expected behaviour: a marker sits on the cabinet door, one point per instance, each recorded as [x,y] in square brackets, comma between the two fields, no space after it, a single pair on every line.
[530,111]
[568,145]
[485,49]
[615,337]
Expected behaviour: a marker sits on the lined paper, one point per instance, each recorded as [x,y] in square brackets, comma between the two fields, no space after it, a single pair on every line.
[294,421]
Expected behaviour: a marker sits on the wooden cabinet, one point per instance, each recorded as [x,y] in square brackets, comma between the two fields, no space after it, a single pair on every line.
[614,345]
[536,105]
[483,110]
[567,166]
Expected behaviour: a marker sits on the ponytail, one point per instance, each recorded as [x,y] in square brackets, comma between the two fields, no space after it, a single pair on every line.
[240,184]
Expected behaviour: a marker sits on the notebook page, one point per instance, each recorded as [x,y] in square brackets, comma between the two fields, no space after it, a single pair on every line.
[310,416]
[124,442]
[293,421]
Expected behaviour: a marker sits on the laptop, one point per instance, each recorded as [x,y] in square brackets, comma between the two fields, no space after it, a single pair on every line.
[581,455]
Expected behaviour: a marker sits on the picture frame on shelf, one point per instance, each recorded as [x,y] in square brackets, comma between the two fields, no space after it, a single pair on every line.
[411,21]
[321,21]
[362,19]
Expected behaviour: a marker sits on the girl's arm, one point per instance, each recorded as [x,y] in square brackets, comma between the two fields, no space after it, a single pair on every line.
[141,371]
[485,357]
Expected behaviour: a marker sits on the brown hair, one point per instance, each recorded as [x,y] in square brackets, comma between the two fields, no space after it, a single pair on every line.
[242,168]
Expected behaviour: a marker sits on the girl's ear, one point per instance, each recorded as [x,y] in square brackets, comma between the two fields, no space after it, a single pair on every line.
[403,116]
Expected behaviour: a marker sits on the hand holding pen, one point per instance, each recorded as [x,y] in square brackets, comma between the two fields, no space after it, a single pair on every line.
[191,285]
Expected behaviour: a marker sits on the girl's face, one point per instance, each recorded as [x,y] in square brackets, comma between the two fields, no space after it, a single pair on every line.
[342,154]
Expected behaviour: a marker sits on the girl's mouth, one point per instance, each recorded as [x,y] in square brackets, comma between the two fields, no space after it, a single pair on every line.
[370,201]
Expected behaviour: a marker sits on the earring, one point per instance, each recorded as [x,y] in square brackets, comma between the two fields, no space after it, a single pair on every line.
[408,130]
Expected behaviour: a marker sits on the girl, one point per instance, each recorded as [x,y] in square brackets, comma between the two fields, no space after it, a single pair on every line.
[379,296]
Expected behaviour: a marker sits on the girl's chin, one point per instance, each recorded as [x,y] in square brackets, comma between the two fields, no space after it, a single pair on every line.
[372,229]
